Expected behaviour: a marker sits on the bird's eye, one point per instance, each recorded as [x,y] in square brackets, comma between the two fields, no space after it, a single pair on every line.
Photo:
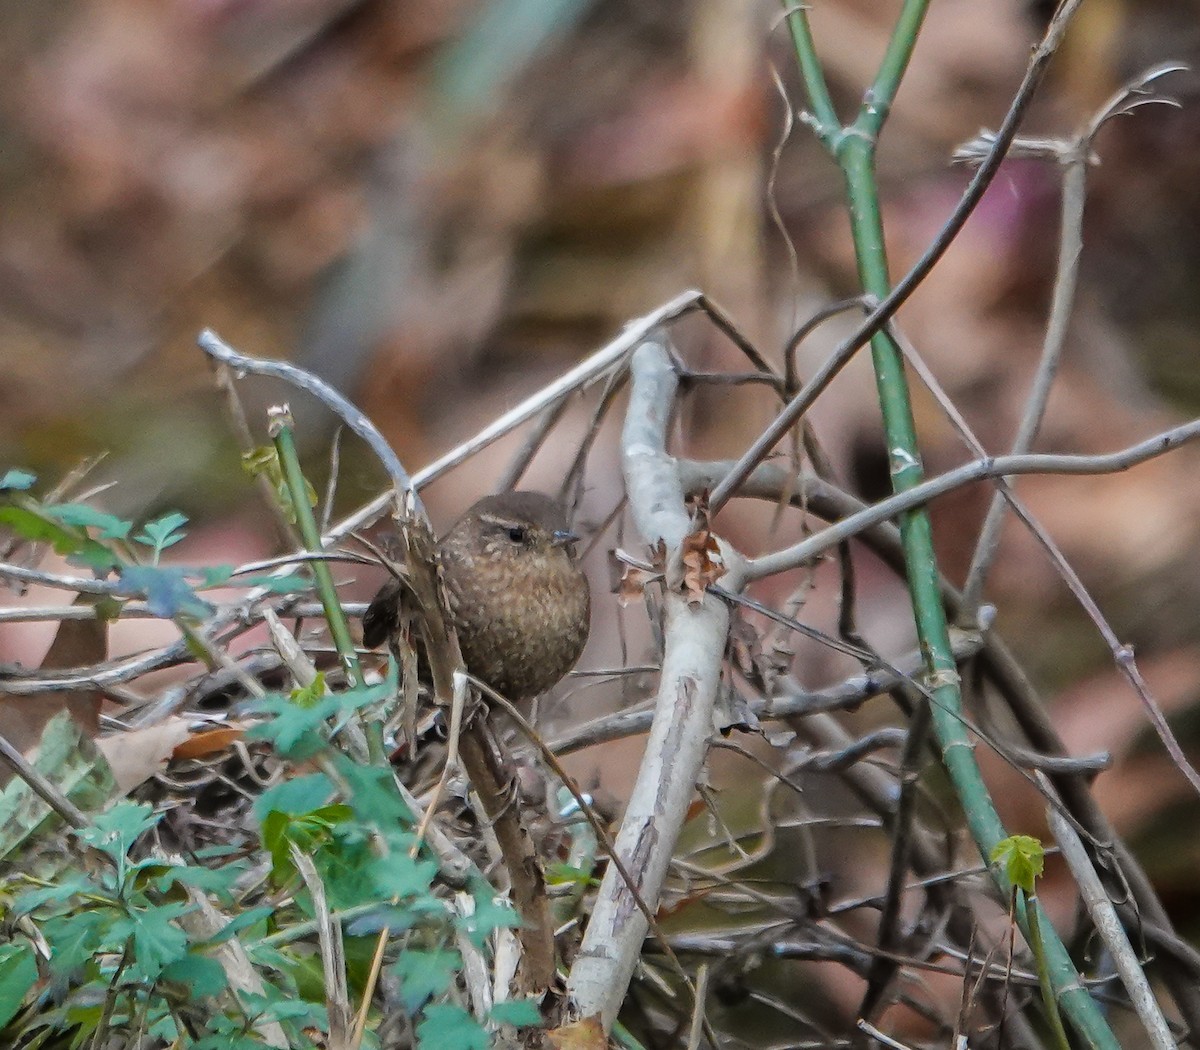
[517,533]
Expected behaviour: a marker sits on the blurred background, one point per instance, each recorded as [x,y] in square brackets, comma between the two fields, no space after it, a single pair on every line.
[437,205]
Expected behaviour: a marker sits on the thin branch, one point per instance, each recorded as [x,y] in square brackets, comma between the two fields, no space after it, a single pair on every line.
[847,695]
[1104,915]
[1075,157]
[989,467]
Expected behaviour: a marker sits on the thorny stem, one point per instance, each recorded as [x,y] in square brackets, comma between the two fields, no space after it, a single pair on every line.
[855,154]
[882,312]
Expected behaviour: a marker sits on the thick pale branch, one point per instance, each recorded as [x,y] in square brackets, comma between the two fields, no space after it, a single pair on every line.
[694,645]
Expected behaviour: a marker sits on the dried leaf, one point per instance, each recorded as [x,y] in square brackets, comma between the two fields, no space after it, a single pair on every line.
[630,575]
[585,1034]
[702,564]
[208,741]
[135,756]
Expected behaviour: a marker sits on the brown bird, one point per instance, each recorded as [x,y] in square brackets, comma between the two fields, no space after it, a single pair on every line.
[518,598]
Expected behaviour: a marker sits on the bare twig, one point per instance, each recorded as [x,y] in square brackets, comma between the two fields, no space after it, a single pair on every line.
[1104,915]
[1075,156]
[988,467]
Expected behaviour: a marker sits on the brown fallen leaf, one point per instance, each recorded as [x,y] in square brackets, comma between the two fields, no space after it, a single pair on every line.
[209,741]
[135,756]
[585,1034]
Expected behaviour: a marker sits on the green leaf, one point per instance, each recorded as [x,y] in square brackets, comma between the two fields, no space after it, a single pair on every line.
[163,532]
[250,917]
[1021,858]
[157,942]
[307,831]
[167,592]
[423,975]
[445,1026]
[202,975]
[296,795]
[276,1006]
[294,731]
[114,832]
[311,694]
[83,516]
[74,939]
[219,881]
[28,902]
[375,800]
[32,526]
[521,1013]
[15,479]
[214,576]
[403,876]
[491,913]
[18,973]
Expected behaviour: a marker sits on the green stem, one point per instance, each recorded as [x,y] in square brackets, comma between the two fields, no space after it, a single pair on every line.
[1043,972]
[854,150]
[877,103]
[823,119]
[339,627]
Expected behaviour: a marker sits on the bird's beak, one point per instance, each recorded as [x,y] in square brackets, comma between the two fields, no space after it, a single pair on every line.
[564,538]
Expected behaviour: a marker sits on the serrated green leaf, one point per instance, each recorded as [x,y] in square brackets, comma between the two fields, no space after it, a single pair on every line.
[18,973]
[491,913]
[116,830]
[293,729]
[28,901]
[445,1026]
[81,515]
[375,800]
[74,939]
[1021,858]
[157,941]
[163,532]
[424,974]
[217,881]
[402,876]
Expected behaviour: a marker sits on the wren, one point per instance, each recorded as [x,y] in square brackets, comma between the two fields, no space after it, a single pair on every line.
[517,596]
